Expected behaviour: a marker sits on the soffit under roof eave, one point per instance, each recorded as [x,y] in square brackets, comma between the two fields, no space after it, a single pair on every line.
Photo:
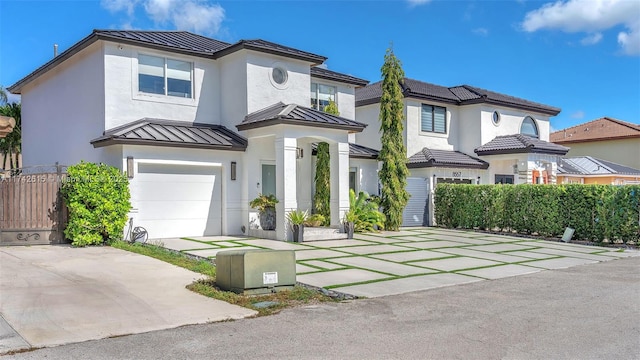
[286,121]
[102,142]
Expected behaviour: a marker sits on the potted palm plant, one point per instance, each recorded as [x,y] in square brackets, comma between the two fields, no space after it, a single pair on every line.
[296,219]
[350,218]
[266,206]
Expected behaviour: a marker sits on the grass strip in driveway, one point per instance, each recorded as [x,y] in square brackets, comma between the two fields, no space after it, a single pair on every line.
[207,287]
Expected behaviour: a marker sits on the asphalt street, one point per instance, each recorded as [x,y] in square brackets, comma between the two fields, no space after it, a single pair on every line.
[583,312]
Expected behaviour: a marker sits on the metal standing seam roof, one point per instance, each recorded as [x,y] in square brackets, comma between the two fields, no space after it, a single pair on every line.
[457,95]
[444,158]
[158,132]
[518,143]
[355,151]
[327,74]
[587,165]
[281,113]
[604,128]
[182,42]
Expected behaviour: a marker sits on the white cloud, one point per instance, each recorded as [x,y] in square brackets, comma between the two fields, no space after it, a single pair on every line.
[480,31]
[578,115]
[413,3]
[591,39]
[198,16]
[590,16]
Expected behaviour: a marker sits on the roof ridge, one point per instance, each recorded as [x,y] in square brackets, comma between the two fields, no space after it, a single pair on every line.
[474,90]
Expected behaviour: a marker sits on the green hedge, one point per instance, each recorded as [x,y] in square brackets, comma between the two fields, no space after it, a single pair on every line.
[596,212]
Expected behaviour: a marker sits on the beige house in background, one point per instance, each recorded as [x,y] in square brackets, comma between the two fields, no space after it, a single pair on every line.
[6,125]
[605,138]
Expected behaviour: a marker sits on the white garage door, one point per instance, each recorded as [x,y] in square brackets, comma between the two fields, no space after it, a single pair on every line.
[177,200]
[415,213]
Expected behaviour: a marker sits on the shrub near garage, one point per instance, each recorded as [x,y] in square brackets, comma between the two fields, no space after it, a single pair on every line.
[97,196]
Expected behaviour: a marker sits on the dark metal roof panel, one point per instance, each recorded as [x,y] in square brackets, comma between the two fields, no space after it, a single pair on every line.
[280,113]
[160,132]
[336,76]
[431,91]
[171,39]
[508,100]
[444,158]
[355,151]
[271,48]
[518,143]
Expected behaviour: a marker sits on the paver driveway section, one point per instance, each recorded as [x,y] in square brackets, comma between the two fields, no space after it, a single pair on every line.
[387,263]
[53,295]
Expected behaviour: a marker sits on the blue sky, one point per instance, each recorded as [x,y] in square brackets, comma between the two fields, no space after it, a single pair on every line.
[580,55]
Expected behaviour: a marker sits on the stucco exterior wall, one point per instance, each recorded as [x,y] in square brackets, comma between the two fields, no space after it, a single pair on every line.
[366,175]
[416,139]
[233,85]
[370,136]
[124,103]
[63,110]
[622,151]
[263,92]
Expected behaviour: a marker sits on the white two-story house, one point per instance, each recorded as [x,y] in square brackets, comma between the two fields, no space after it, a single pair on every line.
[463,134]
[200,126]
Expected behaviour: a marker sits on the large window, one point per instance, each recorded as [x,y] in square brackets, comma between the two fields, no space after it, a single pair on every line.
[158,75]
[434,119]
[529,127]
[321,95]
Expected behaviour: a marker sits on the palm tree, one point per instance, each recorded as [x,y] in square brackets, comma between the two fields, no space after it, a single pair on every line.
[3,95]
[11,145]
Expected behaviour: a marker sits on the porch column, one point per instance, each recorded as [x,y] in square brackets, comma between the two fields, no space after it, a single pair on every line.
[339,154]
[285,184]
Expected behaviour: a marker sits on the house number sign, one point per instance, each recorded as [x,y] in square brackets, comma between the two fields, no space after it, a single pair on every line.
[456,174]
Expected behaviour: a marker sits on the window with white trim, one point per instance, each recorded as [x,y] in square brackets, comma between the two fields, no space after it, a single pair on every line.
[321,95]
[164,76]
[433,119]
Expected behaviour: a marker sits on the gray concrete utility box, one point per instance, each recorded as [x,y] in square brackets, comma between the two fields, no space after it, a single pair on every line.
[256,271]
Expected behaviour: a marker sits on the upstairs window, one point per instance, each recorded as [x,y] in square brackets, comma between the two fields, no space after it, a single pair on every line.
[162,76]
[321,95]
[529,127]
[433,119]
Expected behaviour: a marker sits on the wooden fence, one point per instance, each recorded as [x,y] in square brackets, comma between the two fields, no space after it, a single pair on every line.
[31,208]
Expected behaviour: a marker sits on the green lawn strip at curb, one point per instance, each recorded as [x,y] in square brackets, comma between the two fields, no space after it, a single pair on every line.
[430,249]
[320,269]
[196,264]
[371,243]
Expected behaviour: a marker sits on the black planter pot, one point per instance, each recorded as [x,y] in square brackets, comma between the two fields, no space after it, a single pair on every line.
[268,219]
[348,228]
[298,233]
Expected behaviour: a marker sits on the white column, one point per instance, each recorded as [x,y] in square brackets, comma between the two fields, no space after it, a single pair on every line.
[285,184]
[339,154]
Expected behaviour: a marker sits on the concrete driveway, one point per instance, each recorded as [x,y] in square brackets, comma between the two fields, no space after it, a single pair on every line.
[51,295]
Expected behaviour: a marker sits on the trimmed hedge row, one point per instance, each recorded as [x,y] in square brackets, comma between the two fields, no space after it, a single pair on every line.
[596,212]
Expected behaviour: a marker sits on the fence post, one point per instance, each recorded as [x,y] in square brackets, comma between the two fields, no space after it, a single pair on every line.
[59,215]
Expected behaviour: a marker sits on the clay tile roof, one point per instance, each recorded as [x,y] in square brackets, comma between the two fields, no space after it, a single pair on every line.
[518,143]
[444,158]
[596,130]
[457,95]
[160,132]
[281,113]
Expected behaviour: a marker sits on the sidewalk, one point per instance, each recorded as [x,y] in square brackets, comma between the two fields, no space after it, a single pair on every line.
[388,263]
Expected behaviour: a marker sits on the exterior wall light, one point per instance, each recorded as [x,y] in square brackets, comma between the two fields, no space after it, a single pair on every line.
[299,153]
[130,167]
[233,170]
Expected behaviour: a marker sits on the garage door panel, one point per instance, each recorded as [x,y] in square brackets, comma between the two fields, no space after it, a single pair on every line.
[176,191]
[178,209]
[415,212]
[177,200]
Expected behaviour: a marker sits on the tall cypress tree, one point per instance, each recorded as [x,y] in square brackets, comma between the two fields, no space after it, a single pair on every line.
[393,154]
[322,196]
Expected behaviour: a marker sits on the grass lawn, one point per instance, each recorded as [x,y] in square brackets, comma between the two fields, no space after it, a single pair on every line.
[207,287]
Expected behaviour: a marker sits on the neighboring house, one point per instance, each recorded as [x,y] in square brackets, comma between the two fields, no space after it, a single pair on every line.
[604,138]
[589,170]
[200,126]
[6,125]
[464,134]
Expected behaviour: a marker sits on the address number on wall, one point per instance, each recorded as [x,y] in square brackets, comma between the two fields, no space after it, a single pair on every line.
[456,174]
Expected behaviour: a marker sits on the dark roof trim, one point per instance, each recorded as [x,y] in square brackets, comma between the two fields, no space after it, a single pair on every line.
[519,144]
[521,151]
[97,143]
[327,74]
[270,48]
[445,159]
[355,152]
[288,121]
